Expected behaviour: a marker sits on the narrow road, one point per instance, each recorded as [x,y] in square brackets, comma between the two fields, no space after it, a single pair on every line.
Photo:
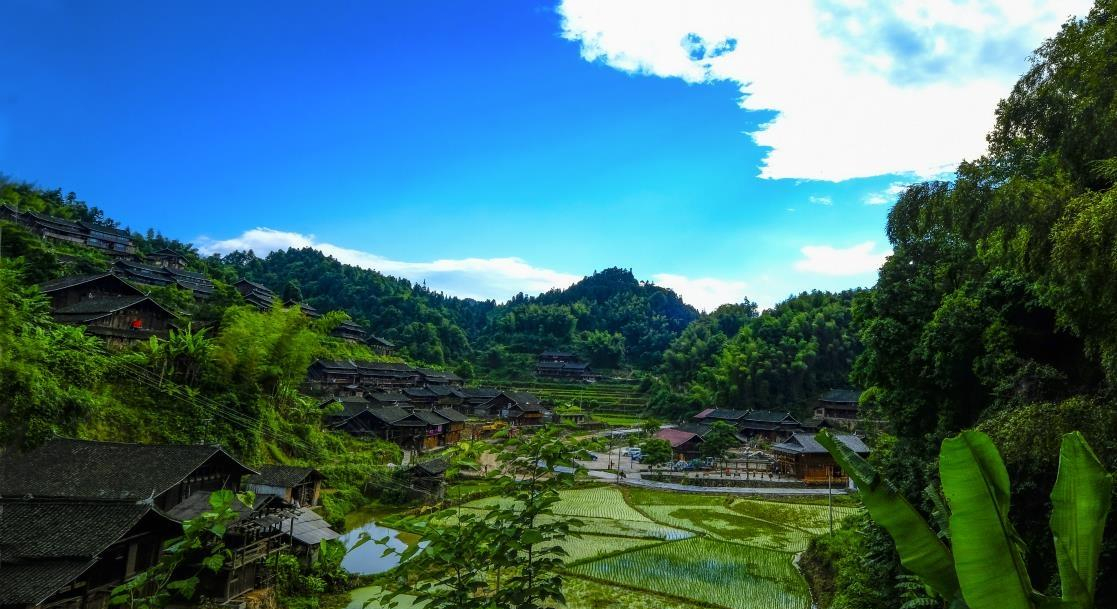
[634,479]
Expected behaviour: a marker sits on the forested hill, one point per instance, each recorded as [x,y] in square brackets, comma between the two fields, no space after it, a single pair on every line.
[610,318]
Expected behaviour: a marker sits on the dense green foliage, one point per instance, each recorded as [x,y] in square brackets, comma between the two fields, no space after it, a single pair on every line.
[782,358]
[996,308]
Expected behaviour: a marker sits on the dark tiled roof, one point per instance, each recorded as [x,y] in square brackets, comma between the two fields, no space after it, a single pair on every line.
[521,397]
[46,544]
[770,416]
[726,414]
[429,417]
[255,286]
[168,252]
[419,392]
[391,414]
[349,409]
[434,467]
[31,583]
[282,475]
[388,398]
[104,470]
[555,365]
[841,395]
[198,503]
[451,415]
[377,366]
[804,443]
[556,354]
[101,305]
[443,391]
[335,364]
[383,342]
[480,392]
[68,282]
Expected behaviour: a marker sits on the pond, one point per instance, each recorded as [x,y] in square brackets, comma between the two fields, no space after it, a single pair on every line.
[368,559]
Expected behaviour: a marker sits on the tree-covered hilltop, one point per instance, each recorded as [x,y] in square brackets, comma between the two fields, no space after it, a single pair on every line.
[783,358]
[609,317]
[998,308]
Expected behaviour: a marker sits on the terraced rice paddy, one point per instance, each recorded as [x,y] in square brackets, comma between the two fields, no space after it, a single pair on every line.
[650,549]
[707,571]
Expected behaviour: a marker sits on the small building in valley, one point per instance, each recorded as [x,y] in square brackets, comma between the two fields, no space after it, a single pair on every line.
[167,258]
[684,444]
[428,480]
[350,331]
[839,407]
[301,486]
[803,457]
[255,294]
[380,346]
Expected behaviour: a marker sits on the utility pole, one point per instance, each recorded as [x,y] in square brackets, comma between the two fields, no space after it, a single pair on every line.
[830,499]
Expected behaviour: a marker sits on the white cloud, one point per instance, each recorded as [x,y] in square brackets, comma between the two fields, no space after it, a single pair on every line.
[888,195]
[862,88]
[835,261]
[821,200]
[704,293]
[480,278]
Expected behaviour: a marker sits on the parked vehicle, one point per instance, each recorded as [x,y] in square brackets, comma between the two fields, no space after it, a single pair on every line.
[681,466]
[632,451]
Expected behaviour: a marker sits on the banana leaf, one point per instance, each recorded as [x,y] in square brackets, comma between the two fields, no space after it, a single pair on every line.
[988,553]
[920,549]
[1081,501]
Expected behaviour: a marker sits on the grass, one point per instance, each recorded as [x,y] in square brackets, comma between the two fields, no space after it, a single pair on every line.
[588,594]
[707,571]
[591,547]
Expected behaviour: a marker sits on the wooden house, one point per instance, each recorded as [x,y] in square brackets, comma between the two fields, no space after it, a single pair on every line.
[118,319]
[350,331]
[69,291]
[256,294]
[557,356]
[71,553]
[301,486]
[803,457]
[164,473]
[386,375]
[564,370]
[684,444]
[765,425]
[474,397]
[167,258]
[333,377]
[254,536]
[838,406]
[107,507]
[435,429]
[430,378]
[454,429]
[108,239]
[304,308]
[500,405]
[306,531]
[428,480]
[390,423]
[420,396]
[380,346]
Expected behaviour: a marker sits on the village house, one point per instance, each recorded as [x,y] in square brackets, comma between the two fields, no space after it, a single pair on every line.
[110,240]
[455,426]
[431,378]
[109,506]
[301,486]
[839,407]
[803,457]
[421,396]
[306,309]
[350,331]
[167,258]
[71,553]
[474,397]
[380,346]
[333,377]
[390,423]
[386,375]
[428,480]
[108,308]
[447,395]
[501,405]
[307,530]
[684,444]
[256,294]
[562,365]
[764,425]
[197,283]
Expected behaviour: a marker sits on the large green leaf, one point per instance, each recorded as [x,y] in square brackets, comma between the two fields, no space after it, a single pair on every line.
[988,553]
[921,551]
[1081,501]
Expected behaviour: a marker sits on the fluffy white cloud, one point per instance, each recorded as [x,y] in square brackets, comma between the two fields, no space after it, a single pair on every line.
[888,195]
[861,87]
[821,200]
[480,278]
[704,293]
[836,261]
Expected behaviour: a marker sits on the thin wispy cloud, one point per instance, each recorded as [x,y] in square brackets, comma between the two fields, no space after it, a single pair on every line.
[704,293]
[886,196]
[841,262]
[861,88]
[820,200]
[479,278]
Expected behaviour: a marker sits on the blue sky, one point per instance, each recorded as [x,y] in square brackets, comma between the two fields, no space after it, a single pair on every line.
[724,149]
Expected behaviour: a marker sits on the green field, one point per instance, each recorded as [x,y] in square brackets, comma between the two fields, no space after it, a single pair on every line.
[650,549]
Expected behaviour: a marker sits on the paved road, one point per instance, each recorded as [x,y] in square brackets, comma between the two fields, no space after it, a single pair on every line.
[634,479]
